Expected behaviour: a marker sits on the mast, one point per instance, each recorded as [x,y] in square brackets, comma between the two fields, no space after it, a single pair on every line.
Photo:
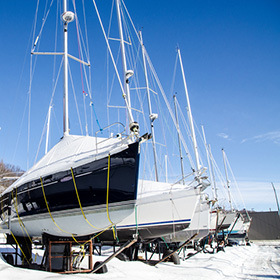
[229,196]
[152,116]
[166,174]
[66,17]
[48,129]
[126,74]
[179,140]
[189,114]
[210,165]
[213,173]
[276,199]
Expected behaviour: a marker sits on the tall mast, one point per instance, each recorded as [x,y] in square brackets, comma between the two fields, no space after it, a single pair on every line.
[126,74]
[152,116]
[209,165]
[276,198]
[48,129]
[166,174]
[228,187]
[179,139]
[66,17]
[213,173]
[190,114]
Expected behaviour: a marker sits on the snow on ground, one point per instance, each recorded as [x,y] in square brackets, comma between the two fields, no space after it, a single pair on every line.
[259,261]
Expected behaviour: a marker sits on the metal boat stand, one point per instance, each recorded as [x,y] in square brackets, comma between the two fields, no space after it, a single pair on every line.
[61,257]
[99,266]
[169,255]
[232,228]
[21,248]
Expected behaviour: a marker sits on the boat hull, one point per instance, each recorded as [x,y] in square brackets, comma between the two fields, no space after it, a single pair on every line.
[221,220]
[239,229]
[157,215]
[200,225]
[74,202]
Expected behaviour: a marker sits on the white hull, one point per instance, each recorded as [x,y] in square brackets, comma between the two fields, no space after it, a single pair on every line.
[225,219]
[200,225]
[158,214]
[166,209]
[240,227]
[71,222]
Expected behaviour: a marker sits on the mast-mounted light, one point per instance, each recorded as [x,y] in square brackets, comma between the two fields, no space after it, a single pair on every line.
[68,16]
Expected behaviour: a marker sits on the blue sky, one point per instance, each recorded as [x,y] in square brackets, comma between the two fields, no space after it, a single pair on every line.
[231,57]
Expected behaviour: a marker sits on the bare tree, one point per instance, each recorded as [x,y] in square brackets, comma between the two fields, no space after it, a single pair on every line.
[8,174]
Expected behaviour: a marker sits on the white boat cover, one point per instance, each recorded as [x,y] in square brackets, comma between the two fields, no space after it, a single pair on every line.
[72,151]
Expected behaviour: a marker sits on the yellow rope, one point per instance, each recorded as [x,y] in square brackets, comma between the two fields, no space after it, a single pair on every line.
[51,213]
[78,197]
[107,196]
[24,256]
[79,201]
[19,219]
[61,228]
[21,223]
[2,198]
[22,226]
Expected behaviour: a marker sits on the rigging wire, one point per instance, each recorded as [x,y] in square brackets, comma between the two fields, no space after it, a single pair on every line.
[27,53]
[174,75]
[155,78]
[187,129]
[32,70]
[80,57]
[89,85]
[221,180]
[113,61]
[168,106]
[75,98]
[235,182]
[50,104]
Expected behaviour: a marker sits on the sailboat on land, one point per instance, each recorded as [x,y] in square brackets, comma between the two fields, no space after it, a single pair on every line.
[83,185]
[200,223]
[162,208]
[240,226]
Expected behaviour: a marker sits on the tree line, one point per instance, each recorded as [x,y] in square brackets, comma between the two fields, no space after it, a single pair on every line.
[8,174]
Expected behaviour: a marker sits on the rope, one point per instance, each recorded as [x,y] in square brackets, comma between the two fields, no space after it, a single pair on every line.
[107,196]
[79,201]
[24,256]
[51,213]
[22,226]
[80,205]
[2,208]
[96,118]
[19,219]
